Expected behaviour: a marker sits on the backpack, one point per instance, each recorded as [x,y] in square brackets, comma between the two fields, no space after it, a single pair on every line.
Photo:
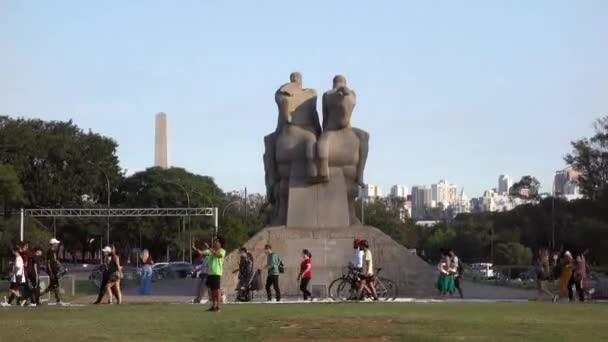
[281,266]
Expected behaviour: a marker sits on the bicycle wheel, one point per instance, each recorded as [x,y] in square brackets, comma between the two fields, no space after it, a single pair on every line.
[344,291]
[386,289]
[333,288]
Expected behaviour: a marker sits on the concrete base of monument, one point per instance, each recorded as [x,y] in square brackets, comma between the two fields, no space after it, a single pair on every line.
[332,249]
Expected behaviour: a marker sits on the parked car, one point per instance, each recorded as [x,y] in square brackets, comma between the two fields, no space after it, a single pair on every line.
[483,269]
[598,285]
[171,270]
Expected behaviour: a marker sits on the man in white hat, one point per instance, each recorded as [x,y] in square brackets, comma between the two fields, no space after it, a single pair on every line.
[52,268]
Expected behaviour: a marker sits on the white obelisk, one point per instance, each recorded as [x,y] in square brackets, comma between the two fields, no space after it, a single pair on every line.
[161,151]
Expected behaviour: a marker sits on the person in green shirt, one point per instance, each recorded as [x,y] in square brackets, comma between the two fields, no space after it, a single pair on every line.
[215,271]
[273,262]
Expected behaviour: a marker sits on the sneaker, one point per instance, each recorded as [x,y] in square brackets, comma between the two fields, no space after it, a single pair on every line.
[32,304]
[62,303]
[4,304]
[555,298]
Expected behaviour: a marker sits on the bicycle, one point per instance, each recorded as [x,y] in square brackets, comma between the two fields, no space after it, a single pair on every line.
[346,287]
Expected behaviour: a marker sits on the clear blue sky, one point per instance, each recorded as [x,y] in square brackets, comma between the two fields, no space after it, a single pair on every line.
[462,90]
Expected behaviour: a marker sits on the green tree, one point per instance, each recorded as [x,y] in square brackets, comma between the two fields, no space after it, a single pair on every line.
[512,253]
[56,162]
[11,192]
[165,188]
[590,158]
[527,189]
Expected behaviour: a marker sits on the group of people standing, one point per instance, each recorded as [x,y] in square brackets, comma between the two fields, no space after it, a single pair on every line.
[571,269]
[25,274]
[450,274]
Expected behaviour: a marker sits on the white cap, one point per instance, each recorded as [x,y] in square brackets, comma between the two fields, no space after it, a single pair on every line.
[107,249]
[568,254]
[54,241]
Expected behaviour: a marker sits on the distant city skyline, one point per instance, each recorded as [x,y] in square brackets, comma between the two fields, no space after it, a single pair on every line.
[458,90]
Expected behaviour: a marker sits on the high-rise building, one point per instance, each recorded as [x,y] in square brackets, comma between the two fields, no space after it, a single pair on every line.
[565,184]
[505,182]
[399,191]
[161,152]
[444,193]
[421,199]
[371,191]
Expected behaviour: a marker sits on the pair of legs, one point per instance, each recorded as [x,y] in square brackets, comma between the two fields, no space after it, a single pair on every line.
[273,281]
[457,286]
[304,288]
[367,284]
[103,289]
[53,287]
[579,290]
[145,282]
[15,292]
[213,282]
[201,288]
[543,289]
[113,287]
[34,290]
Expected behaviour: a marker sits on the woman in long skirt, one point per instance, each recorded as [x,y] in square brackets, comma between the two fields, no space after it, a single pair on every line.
[445,284]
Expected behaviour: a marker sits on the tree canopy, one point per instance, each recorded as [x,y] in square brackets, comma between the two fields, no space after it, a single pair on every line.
[590,158]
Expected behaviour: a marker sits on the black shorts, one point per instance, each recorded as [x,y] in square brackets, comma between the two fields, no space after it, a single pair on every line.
[213,282]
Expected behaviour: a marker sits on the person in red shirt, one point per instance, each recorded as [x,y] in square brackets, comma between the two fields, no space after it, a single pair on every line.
[305,274]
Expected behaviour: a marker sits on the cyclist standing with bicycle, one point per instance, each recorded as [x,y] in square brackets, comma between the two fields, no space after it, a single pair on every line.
[367,276]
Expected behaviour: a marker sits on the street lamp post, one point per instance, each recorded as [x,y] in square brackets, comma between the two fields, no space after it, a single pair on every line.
[228,206]
[108,190]
[188,214]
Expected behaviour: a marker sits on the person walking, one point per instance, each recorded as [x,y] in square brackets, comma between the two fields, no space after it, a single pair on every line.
[543,274]
[245,275]
[145,282]
[105,274]
[565,273]
[579,273]
[272,265]
[114,277]
[367,275]
[457,272]
[216,270]
[33,276]
[445,284]
[17,279]
[201,272]
[52,269]
[305,274]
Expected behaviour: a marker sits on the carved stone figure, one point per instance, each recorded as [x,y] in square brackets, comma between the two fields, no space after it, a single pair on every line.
[312,178]
[341,145]
[290,150]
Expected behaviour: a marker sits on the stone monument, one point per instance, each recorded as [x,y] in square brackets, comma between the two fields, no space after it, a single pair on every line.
[313,173]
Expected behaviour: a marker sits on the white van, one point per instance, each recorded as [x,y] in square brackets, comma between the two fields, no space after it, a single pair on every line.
[485,269]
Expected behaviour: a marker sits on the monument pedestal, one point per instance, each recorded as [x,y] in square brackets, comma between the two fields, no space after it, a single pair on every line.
[331,250]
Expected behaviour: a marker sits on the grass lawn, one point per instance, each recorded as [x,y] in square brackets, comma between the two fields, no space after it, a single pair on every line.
[329,322]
